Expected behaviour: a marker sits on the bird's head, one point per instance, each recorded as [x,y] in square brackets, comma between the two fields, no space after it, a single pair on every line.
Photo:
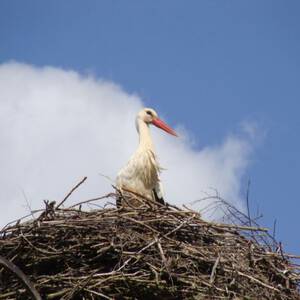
[149,116]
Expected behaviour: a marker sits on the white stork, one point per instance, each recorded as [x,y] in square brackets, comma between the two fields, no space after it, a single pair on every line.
[141,174]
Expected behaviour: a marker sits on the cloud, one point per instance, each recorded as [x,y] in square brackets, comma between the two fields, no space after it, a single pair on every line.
[58,126]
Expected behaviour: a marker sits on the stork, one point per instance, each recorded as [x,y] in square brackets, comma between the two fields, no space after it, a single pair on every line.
[141,174]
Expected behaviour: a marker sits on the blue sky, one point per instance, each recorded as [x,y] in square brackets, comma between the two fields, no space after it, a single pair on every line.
[209,65]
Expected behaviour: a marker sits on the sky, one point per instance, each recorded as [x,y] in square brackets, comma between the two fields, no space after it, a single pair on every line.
[225,74]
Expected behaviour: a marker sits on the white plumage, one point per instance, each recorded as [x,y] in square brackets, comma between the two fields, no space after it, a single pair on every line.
[141,174]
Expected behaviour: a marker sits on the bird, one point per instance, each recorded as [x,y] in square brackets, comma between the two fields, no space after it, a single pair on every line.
[141,173]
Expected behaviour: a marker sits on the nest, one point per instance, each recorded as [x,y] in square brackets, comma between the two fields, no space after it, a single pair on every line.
[153,252]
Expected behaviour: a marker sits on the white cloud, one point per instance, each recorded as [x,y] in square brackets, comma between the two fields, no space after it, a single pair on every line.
[58,126]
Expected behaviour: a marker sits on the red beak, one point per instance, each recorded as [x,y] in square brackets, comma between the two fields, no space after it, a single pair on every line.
[162,125]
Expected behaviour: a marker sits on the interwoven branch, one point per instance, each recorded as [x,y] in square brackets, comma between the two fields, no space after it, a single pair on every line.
[153,252]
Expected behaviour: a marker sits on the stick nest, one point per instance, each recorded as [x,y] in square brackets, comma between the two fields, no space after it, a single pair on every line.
[154,252]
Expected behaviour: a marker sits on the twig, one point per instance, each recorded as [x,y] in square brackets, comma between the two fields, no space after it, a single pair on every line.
[98,294]
[274,231]
[247,200]
[20,219]
[258,281]
[109,195]
[163,257]
[214,269]
[27,203]
[239,227]
[72,190]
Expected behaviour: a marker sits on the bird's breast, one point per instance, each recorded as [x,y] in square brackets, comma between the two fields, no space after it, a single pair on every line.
[140,173]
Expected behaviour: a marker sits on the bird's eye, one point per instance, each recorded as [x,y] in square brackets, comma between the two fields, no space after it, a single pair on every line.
[149,113]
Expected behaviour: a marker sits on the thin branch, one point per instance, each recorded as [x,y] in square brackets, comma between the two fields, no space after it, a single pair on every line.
[72,190]
[247,200]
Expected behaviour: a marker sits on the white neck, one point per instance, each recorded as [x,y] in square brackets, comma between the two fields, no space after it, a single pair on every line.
[144,135]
